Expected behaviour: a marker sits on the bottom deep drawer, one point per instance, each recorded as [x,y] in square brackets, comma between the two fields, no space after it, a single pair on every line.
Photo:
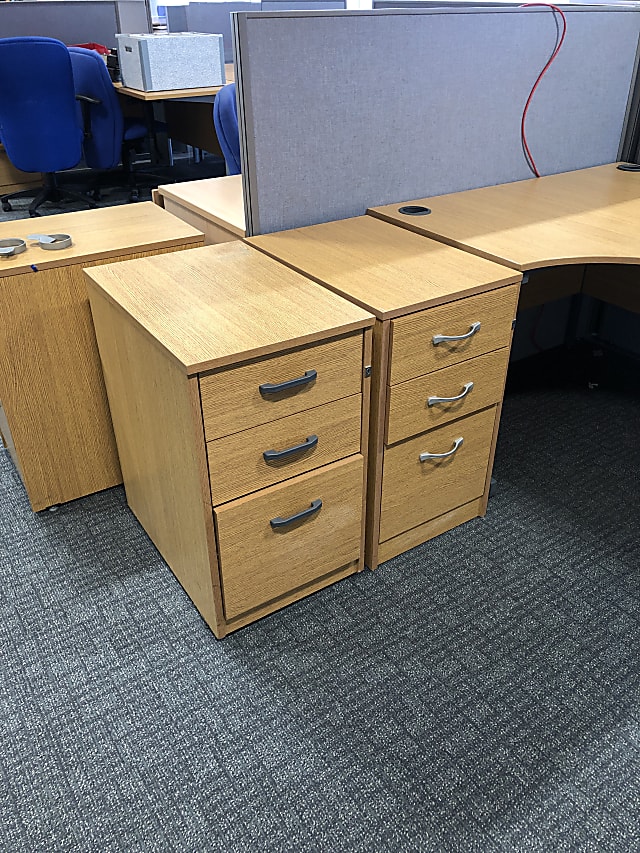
[272,542]
[415,489]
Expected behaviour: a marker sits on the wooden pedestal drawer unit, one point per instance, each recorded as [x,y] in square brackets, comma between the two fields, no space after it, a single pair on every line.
[240,402]
[57,421]
[442,337]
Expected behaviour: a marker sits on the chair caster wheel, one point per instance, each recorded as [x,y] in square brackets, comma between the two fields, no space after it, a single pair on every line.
[96,195]
[6,206]
[134,196]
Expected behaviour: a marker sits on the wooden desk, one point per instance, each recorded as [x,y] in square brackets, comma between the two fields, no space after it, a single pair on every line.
[187,112]
[418,289]
[196,349]
[591,216]
[214,206]
[56,420]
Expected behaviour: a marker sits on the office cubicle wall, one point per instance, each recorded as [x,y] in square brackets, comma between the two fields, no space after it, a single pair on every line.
[209,17]
[74,21]
[339,111]
[214,16]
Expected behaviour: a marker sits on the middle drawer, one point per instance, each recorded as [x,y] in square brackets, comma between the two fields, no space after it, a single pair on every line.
[255,458]
[432,400]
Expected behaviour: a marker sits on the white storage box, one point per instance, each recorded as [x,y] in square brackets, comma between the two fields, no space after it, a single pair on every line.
[170,60]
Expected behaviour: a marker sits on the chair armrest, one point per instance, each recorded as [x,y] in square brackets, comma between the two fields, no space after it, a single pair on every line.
[86,101]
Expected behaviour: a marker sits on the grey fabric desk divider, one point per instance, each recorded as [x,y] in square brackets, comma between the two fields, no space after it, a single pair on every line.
[339,111]
[75,21]
[214,16]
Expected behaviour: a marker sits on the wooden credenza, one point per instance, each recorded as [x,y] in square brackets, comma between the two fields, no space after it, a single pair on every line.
[214,206]
[239,392]
[55,417]
[441,346]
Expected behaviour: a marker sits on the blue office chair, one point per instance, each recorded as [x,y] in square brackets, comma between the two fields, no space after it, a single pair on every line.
[109,137]
[39,125]
[225,119]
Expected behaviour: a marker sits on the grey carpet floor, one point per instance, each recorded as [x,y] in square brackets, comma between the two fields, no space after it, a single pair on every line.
[478,693]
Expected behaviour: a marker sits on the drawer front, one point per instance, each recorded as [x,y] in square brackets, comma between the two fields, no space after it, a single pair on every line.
[414,492]
[232,400]
[259,562]
[414,351]
[430,401]
[237,464]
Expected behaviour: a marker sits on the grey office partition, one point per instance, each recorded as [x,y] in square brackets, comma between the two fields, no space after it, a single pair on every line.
[74,21]
[301,5]
[339,111]
[209,17]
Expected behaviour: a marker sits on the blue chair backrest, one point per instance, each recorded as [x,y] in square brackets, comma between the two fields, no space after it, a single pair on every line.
[38,119]
[102,150]
[225,119]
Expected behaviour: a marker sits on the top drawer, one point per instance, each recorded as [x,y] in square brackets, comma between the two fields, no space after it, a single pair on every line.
[477,324]
[260,391]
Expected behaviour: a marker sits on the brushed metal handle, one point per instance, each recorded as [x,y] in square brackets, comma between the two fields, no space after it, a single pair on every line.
[456,444]
[298,516]
[433,401]
[277,387]
[273,455]
[440,339]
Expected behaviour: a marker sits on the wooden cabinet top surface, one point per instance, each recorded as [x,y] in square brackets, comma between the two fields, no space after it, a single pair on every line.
[100,233]
[387,270]
[219,305]
[219,200]
[586,216]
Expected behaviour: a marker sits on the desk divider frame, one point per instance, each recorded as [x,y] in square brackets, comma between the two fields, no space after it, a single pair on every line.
[339,111]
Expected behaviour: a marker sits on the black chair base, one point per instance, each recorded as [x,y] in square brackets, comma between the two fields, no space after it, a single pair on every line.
[50,191]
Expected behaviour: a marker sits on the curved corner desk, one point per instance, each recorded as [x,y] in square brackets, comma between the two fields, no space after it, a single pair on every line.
[589,219]
[569,233]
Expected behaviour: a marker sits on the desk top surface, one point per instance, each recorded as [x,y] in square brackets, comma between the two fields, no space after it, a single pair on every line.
[219,305]
[176,94]
[387,270]
[586,216]
[219,200]
[106,232]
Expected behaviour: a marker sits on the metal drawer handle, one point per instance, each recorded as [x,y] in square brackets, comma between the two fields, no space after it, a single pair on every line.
[433,401]
[439,339]
[305,513]
[277,387]
[456,444]
[273,455]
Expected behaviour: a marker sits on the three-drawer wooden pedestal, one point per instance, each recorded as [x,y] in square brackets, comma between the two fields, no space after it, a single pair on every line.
[441,346]
[239,392]
[55,418]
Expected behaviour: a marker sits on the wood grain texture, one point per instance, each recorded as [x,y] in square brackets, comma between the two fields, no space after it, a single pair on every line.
[615,284]
[161,447]
[549,284]
[52,388]
[389,272]
[377,420]
[413,350]
[423,532]
[221,304]
[586,216]
[236,463]
[213,233]
[231,399]
[104,233]
[12,179]
[259,563]
[218,201]
[414,492]
[409,412]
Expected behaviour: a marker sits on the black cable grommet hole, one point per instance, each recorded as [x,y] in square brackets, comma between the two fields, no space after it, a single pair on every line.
[414,210]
